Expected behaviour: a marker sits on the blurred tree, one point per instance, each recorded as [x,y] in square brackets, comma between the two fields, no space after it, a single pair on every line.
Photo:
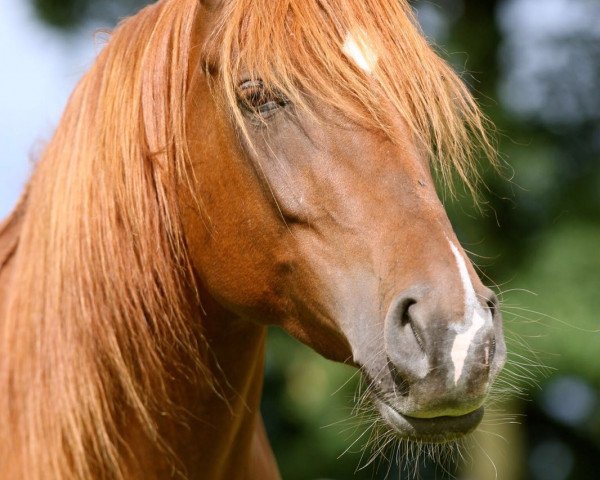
[70,14]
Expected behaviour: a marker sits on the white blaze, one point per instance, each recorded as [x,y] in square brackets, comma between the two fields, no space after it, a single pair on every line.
[475,317]
[358,50]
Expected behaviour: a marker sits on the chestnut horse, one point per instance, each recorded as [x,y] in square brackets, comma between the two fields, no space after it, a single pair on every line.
[225,166]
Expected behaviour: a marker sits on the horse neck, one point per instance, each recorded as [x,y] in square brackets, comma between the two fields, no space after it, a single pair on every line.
[216,431]
[221,435]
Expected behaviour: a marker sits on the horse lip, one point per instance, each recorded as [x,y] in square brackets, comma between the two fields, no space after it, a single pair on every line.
[432,430]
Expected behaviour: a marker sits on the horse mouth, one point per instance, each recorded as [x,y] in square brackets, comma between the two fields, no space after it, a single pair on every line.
[430,430]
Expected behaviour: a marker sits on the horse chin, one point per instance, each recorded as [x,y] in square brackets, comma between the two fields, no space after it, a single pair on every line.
[442,429]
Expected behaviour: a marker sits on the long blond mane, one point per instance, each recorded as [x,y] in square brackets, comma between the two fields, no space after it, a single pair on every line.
[97,301]
[97,312]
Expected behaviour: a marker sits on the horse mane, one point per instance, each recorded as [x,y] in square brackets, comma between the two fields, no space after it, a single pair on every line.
[98,308]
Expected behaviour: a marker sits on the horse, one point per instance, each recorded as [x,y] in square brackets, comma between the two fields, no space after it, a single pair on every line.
[224,166]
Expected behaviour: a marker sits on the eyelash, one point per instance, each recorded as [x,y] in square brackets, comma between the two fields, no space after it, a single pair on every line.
[255,99]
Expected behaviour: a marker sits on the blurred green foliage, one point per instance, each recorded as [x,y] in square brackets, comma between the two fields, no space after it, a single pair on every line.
[538,238]
[70,14]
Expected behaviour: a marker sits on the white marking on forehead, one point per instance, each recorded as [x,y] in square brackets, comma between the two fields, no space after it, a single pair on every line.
[357,47]
[475,315]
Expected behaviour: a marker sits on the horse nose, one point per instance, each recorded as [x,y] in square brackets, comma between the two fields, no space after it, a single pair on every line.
[404,334]
[442,359]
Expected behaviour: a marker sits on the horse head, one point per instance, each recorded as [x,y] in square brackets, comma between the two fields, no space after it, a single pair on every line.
[319,208]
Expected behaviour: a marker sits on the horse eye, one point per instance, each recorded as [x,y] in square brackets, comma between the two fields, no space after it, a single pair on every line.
[256,99]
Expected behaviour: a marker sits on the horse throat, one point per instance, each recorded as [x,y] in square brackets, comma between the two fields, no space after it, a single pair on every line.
[216,430]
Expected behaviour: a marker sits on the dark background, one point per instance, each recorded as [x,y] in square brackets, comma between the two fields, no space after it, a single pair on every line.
[535,67]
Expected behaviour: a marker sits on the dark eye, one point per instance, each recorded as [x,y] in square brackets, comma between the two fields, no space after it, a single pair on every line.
[258,100]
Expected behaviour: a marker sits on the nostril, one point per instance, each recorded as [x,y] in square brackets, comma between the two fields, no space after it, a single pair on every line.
[492,304]
[491,307]
[401,385]
[418,337]
[405,337]
[405,319]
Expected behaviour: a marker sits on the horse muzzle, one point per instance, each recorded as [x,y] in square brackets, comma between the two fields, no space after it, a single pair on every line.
[438,366]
